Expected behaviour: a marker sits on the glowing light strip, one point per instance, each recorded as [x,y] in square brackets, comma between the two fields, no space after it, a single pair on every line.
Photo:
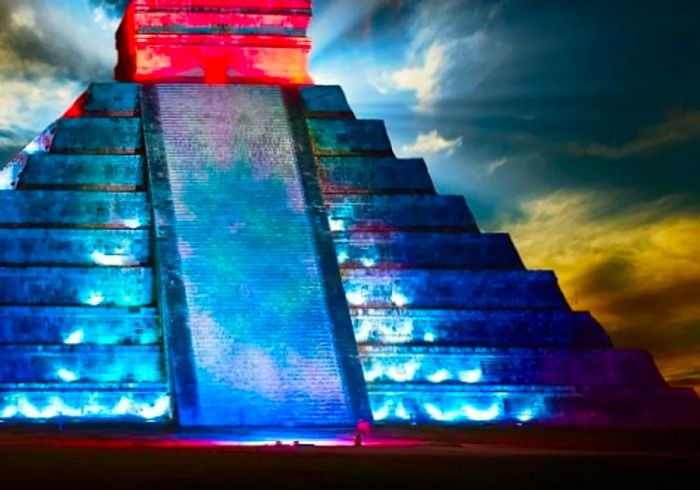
[56,407]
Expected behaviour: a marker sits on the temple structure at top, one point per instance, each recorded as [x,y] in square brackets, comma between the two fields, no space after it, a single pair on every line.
[217,41]
[213,240]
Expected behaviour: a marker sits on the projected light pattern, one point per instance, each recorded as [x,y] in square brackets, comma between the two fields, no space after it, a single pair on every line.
[263,341]
[95,407]
[476,408]
[420,369]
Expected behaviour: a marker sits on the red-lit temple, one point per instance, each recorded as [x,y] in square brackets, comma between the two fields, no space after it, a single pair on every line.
[218,41]
[215,241]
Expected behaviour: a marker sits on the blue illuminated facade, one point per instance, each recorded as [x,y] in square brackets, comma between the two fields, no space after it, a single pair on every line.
[253,255]
[250,256]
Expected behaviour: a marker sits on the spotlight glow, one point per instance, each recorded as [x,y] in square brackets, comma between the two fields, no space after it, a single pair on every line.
[96,298]
[109,260]
[75,338]
[401,412]
[355,298]
[526,415]
[471,376]
[336,224]
[439,376]
[21,407]
[132,224]
[67,376]
[482,415]
[368,262]
[403,372]
[399,299]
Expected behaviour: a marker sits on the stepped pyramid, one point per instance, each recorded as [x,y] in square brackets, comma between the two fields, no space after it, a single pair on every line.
[215,241]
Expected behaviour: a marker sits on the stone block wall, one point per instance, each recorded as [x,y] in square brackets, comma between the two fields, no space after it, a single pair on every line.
[451,327]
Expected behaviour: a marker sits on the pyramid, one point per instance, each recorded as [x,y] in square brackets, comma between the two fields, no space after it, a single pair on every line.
[213,240]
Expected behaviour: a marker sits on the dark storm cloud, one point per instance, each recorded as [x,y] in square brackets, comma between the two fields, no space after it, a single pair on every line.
[590,94]
[35,44]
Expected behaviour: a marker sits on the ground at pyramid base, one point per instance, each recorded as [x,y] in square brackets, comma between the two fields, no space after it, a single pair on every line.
[211,243]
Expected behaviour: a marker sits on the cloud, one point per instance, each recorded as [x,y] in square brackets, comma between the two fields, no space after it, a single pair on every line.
[56,46]
[431,143]
[636,268]
[423,79]
[450,51]
[494,165]
[680,128]
[112,8]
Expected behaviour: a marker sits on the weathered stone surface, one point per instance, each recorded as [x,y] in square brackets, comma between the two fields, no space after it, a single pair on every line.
[98,135]
[98,286]
[478,328]
[359,175]
[348,136]
[529,290]
[324,99]
[75,208]
[431,250]
[113,98]
[379,212]
[85,363]
[88,325]
[48,169]
[111,248]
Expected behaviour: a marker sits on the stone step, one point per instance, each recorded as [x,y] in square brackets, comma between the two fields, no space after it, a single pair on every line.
[324,99]
[487,328]
[366,175]
[427,250]
[74,208]
[36,246]
[49,169]
[73,286]
[85,405]
[86,325]
[399,212]
[516,366]
[331,137]
[98,135]
[453,289]
[81,363]
[112,98]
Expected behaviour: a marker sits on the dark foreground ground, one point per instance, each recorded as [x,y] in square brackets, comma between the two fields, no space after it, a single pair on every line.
[474,458]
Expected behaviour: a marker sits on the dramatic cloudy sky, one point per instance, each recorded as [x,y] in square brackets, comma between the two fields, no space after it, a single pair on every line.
[573,124]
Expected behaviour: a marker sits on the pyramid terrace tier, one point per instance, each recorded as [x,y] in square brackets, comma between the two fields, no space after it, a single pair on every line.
[453,289]
[69,364]
[509,366]
[556,406]
[79,325]
[477,328]
[426,250]
[45,403]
